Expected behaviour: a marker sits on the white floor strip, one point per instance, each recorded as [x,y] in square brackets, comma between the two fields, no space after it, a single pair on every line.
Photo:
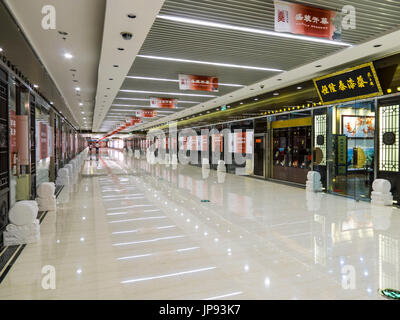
[168,275]
[146,241]
[225,295]
[139,219]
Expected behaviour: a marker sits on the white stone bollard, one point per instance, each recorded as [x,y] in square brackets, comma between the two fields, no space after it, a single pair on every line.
[24,226]
[174,159]
[221,166]
[167,159]
[137,154]
[205,164]
[381,194]
[313,183]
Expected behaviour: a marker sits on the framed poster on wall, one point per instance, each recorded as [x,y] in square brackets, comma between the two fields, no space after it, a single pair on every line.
[358,126]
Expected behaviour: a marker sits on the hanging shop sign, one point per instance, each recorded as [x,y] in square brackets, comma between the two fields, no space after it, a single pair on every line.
[350,84]
[200,83]
[310,21]
[167,103]
[149,113]
[133,120]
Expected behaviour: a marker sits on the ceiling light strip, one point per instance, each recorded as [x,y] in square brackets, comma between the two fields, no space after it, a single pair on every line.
[176,80]
[219,64]
[168,93]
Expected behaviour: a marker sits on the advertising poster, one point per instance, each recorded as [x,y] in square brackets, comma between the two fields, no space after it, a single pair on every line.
[13,136]
[167,103]
[43,141]
[249,142]
[358,127]
[204,143]
[217,141]
[198,83]
[309,21]
[239,142]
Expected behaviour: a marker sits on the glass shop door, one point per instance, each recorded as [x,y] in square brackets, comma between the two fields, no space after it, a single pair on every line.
[353,150]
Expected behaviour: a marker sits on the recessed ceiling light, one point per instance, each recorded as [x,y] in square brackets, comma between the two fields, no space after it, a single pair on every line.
[250,30]
[35,86]
[256,99]
[51,102]
[81,104]
[228,65]
[68,55]
[276,93]
[77,89]
[299,88]
[1,49]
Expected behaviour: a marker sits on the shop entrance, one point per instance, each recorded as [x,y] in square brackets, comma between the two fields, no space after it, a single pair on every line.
[291,150]
[353,149]
[259,155]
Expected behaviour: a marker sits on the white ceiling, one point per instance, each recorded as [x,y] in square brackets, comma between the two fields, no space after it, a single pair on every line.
[117,21]
[172,36]
[83,21]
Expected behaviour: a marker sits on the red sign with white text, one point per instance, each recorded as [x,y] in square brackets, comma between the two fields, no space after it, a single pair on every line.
[43,141]
[167,103]
[149,113]
[200,83]
[310,21]
[13,135]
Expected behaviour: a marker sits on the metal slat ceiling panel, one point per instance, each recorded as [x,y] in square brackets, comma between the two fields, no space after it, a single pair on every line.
[187,41]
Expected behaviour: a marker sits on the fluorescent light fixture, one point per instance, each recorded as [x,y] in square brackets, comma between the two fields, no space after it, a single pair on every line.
[251,30]
[169,93]
[68,55]
[219,64]
[133,105]
[169,275]
[176,80]
[140,99]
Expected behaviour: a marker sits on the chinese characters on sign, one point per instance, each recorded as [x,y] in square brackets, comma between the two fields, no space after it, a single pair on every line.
[350,84]
[310,21]
[202,83]
[163,103]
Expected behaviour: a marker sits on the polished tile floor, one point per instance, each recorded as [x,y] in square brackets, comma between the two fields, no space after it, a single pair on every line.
[131,230]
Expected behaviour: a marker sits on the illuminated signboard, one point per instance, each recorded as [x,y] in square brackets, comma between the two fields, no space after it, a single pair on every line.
[354,83]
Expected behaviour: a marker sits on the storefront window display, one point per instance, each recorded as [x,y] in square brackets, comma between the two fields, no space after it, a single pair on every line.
[291,153]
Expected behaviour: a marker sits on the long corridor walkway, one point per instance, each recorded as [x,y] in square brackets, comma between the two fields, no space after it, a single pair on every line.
[131,230]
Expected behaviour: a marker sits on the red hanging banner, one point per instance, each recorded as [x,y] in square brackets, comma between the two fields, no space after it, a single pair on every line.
[199,83]
[163,103]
